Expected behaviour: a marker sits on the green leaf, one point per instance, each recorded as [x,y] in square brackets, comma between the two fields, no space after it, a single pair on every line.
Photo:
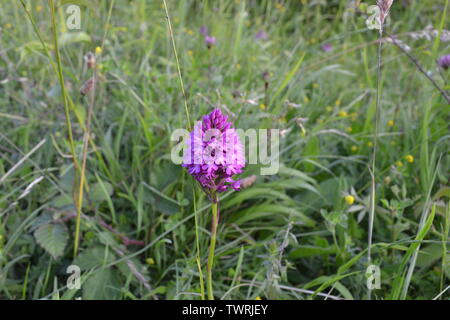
[32,47]
[288,78]
[53,238]
[309,251]
[101,191]
[254,193]
[401,271]
[74,37]
[270,210]
[102,285]
[94,257]
[429,255]
[62,201]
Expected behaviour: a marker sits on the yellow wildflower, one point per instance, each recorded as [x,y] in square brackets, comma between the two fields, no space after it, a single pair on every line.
[409,158]
[349,200]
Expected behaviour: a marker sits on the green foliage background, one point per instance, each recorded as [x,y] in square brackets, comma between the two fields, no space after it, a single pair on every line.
[288,236]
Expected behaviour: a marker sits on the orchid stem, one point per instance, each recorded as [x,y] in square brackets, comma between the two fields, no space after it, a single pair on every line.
[215,222]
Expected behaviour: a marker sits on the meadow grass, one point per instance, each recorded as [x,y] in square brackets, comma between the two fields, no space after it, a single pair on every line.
[138,225]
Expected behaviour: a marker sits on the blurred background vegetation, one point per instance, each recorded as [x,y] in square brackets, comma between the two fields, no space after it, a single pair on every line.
[308,68]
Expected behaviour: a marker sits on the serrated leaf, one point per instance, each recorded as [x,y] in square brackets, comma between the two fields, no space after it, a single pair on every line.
[102,285]
[101,191]
[62,201]
[53,238]
[94,257]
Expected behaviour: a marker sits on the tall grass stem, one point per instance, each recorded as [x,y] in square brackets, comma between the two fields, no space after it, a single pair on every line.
[214,223]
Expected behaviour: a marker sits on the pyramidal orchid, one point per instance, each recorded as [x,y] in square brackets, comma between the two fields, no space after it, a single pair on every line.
[214,154]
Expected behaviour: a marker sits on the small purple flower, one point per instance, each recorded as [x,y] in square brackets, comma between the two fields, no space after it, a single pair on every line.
[214,153]
[444,62]
[261,35]
[327,47]
[210,41]
[204,30]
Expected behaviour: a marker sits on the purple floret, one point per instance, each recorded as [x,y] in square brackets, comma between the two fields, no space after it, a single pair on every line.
[210,41]
[444,62]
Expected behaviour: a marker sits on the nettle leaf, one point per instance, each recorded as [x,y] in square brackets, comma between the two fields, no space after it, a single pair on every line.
[102,285]
[94,257]
[53,238]
[101,191]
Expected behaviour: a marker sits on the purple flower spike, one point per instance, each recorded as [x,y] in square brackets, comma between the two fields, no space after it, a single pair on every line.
[261,35]
[444,62]
[214,153]
[326,47]
[204,30]
[210,41]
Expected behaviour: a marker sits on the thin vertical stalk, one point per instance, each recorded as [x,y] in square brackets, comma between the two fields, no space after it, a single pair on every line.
[62,84]
[197,243]
[83,163]
[188,118]
[374,153]
[214,223]
[169,24]
[86,139]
